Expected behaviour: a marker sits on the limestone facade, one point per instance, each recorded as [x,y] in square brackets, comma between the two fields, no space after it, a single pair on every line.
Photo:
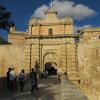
[52,40]
[89,62]
[47,40]
[11,56]
[90,35]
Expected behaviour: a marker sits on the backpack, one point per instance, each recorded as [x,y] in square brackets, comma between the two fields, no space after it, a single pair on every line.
[21,77]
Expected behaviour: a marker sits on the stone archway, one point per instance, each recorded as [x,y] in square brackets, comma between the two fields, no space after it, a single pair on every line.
[50,68]
[50,63]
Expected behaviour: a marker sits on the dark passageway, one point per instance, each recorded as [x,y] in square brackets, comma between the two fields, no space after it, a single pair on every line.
[50,68]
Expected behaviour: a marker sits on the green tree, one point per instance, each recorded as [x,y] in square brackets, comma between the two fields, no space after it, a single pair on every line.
[5,18]
[2,41]
[5,21]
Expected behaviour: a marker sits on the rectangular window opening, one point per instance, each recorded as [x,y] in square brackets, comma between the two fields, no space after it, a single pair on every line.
[50,31]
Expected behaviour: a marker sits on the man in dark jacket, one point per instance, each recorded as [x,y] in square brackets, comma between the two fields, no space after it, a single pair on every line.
[34,83]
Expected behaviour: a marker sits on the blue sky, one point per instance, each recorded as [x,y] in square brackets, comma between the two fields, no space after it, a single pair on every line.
[84,12]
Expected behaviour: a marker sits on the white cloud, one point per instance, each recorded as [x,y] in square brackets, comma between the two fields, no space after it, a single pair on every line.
[76,28]
[39,13]
[66,8]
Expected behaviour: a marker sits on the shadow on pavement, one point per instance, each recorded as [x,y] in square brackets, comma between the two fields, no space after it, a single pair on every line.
[47,91]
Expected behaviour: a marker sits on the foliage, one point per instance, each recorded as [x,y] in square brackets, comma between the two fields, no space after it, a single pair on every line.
[77,37]
[2,41]
[5,22]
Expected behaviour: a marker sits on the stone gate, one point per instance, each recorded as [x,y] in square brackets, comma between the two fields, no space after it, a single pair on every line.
[50,39]
[61,50]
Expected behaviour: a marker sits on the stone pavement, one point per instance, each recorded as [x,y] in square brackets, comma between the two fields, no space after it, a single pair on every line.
[49,89]
[69,91]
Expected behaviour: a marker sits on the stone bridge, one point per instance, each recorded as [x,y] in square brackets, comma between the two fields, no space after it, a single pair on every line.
[49,89]
[69,91]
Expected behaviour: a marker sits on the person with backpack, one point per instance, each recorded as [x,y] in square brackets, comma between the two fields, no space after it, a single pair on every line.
[34,82]
[22,79]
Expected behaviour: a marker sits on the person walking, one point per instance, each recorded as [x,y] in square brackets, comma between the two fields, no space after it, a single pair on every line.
[45,74]
[8,78]
[22,79]
[34,82]
[37,68]
[12,76]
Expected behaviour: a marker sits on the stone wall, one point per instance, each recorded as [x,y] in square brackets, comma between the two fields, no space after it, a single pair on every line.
[72,67]
[17,38]
[89,68]
[90,34]
[11,55]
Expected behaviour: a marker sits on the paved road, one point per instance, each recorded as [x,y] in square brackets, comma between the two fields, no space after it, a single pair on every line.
[70,92]
[49,89]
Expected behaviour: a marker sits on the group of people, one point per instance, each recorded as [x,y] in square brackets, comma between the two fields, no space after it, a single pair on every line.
[11,79]
[44,74]
[21,78]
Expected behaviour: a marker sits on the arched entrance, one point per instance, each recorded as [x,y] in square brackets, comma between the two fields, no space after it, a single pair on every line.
[50,63]
[51,68]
